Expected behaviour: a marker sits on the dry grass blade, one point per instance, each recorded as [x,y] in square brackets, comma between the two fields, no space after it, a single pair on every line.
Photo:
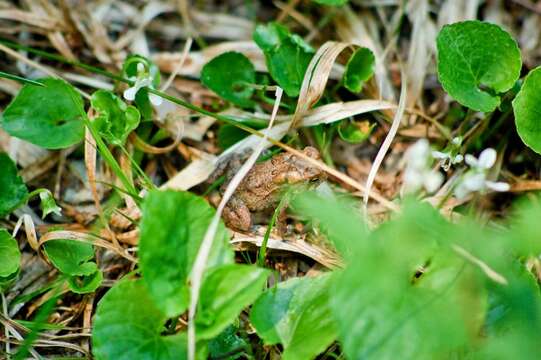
[315,78]
[387,142]
[179,65]
[317,253]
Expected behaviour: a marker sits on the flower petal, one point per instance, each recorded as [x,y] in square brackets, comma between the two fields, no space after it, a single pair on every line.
[432,181]
[487,158]
[129,93]
[458,159]
[474,182]
[461,191]
[471,160]
[155,99]
[440,155]
[497,185]
[413,180]
[457,140]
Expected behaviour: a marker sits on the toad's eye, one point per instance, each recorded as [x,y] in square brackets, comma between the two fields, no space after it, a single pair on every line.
[314,180]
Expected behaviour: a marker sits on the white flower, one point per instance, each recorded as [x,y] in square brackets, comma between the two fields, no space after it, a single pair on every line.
[475,179]
[418,174]
[143,79]
[450,155]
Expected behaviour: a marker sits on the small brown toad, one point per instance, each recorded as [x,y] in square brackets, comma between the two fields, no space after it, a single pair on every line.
[260,190]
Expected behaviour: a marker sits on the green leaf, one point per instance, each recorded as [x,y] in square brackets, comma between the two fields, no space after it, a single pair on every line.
[228,75]
[514,315]
[384,306]
[340,219]
[355,132]
[56,123]
[359,69]
[6,282]
[115,120]
[526,107]
[225,292]
[287,55]
[10,256]
[47,204]
[476,62]
[297,315]
[86,283]
[71,257]
[523,238]
[172,229]
[331,2]
[128,326]
[14,191]
[226,344]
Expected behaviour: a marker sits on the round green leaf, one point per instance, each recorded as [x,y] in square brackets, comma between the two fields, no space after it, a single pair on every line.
[49,116]
[296,314]
[527,107]
[476,62]
[172,229]
[287,55]
[128,326]
[71,257]
[13,190]
[10,256]
[115,120]
[228,75]
[359,69]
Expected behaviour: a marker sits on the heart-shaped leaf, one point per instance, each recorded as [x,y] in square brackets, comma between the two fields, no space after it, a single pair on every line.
[71,257]
[287,55]
[476,62]
[297,315]
[230,76]
[128,326]
[172,229]
[49,116]
[14,191]
[115,120]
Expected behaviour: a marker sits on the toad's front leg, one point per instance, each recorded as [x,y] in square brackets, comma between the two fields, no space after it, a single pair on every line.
[237,215]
